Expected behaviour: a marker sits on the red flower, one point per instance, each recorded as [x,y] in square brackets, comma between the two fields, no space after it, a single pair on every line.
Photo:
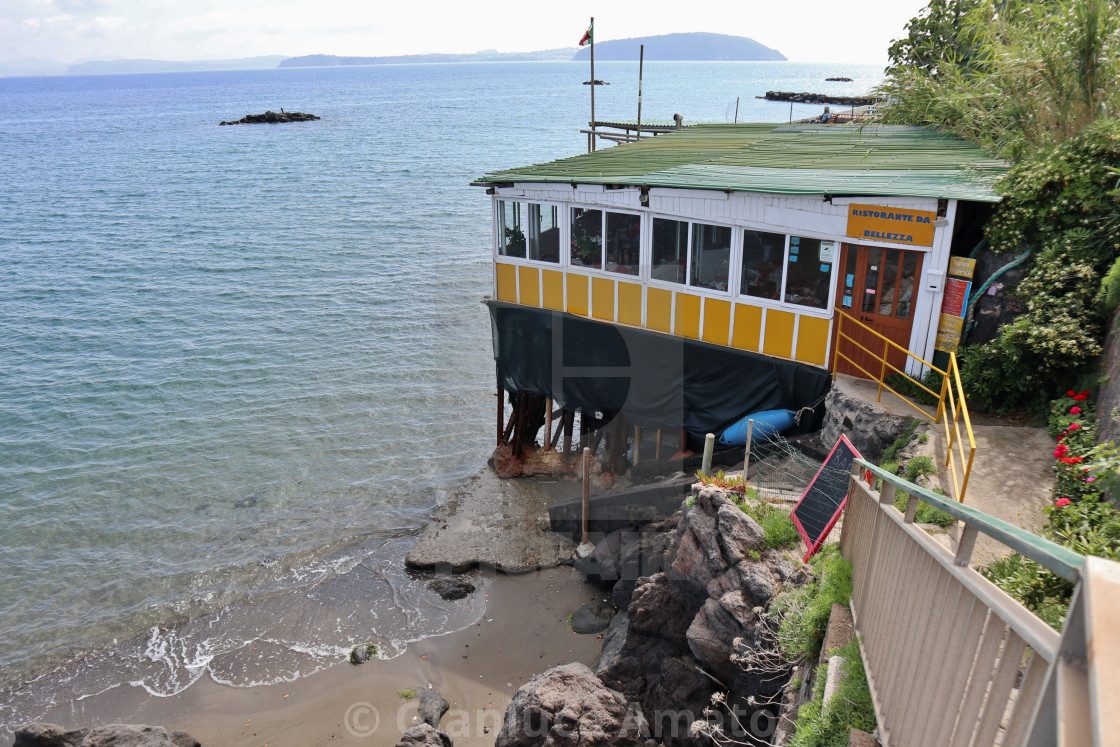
[1061,437]
[1074,426]
[1062,502]
[1061,451]
[1070,393]
[1081,397]
[1075,411]
[1085,393]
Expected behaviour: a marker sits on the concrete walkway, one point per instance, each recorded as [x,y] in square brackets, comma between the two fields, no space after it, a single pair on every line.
[1012,478]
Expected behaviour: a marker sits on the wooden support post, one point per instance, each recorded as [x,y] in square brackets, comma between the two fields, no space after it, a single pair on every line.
[747,456]
[569,423]
[519,426]
[657,448]
[617,436]
[547,440]
[586,492]
[501,413]
[582,429]
[709,447]
[684,440]
[637,444]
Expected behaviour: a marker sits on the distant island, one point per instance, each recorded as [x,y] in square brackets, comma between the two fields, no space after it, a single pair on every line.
[677,47]
[697,46]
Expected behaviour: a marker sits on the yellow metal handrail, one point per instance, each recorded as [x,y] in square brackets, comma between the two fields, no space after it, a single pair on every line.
[952,408]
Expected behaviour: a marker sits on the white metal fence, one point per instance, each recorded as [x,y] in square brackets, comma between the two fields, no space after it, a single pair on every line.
[953,660]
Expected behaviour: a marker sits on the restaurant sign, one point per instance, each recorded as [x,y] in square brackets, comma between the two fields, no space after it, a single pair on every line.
[896,225]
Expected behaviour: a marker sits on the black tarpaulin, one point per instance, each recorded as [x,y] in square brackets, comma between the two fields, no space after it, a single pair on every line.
[657,380]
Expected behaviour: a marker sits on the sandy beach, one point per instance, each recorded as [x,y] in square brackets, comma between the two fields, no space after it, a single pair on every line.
[524,631]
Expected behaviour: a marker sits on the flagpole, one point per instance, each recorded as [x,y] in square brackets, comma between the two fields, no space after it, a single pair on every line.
[592,82]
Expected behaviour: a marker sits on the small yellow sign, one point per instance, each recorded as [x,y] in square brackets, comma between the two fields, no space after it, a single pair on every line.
[896,225]
[962,267]
[949,333]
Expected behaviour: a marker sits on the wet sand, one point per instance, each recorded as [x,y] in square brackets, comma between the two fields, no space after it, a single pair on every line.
[524,631]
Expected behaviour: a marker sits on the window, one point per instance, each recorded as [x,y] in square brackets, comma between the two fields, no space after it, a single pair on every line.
[809,271]
[622,247]
[670,250]
[529,231]
[511,234]
[763,257]
[703,261]
[711,256]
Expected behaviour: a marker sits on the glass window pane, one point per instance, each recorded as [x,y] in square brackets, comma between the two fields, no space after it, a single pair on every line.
[763,255]
[544,232]
[670,250]
[711,256]
[906,285]
[890,278]
[623,243]
[849,281]
[808,279]
[587,237]
[871,279]
[511,238]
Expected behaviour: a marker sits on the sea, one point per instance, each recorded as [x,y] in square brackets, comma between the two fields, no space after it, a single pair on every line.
[241,366]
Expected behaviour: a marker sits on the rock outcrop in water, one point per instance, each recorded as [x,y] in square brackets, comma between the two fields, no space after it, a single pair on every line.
[271,117]
[817,98]
[112,735]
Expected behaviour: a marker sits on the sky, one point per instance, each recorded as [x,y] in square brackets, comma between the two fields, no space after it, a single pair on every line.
[81,30]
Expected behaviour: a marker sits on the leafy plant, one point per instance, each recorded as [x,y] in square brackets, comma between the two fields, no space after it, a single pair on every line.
[804,611]
[850,707]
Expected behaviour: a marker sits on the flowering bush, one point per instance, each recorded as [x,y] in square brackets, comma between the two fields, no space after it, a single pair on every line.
[1080,518]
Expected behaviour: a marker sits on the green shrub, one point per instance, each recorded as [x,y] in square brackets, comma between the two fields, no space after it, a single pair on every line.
[919,466]
[926,513]
[851,706]
[907,388]
[777,528]
[804,611]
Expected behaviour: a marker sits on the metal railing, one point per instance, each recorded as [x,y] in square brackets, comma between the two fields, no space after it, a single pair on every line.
[952,407]
[953,660]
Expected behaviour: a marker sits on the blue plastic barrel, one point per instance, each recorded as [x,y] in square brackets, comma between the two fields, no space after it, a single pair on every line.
[767,423]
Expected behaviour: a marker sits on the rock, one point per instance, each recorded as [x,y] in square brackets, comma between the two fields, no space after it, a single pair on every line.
[868,425]
[39,734]
[451,588]
[432,706]
[613,641]
[655,610]
[128,735]
[568,705]
[713,536]
[182,739]
[271,117]
[710,639]
[362,653]
[424,735]
[817,98]
[601,566]
[592,617]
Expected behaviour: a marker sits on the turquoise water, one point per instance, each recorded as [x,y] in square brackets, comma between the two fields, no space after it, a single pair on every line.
[240,366]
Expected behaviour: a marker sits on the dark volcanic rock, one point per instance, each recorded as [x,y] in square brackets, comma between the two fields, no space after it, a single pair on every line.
[432,706]
[568,705]
[451,588]
[271,117]
[47,735]
[817,98]
[592,617]
[128,735]
[362,653]
[424,735]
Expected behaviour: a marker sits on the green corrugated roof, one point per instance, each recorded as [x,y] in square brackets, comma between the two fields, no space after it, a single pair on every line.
[879,160]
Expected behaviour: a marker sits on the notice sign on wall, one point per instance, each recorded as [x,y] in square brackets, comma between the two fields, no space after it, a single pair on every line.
[955,301]
[896,225]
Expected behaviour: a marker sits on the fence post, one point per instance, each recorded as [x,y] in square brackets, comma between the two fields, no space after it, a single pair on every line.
[709,447]
[747,456]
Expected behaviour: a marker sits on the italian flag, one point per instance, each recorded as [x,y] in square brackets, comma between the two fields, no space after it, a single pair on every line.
[586,38]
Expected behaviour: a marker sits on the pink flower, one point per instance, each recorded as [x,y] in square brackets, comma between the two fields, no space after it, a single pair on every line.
[1090,479]
[1075,411]
[1062,502]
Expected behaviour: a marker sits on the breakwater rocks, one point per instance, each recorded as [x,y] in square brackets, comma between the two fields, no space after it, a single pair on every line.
[817,98]
[271,117]
[691,596]
[112,735]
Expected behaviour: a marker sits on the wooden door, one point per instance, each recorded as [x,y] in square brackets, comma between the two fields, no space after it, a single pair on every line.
[879,287]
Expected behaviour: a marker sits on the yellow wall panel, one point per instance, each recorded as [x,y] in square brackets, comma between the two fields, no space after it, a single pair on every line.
[602,298]
[779,333]
[577,294]
[812,340]
[630,304]
[506,283]
[530,285]
[553,289]
[717,320]
[659,309]
[688,316]
[748,327]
